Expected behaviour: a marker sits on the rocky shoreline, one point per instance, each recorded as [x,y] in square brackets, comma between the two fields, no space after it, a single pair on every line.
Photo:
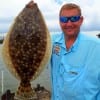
[42,94]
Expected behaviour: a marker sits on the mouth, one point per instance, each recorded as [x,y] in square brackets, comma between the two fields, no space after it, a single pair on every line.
[69,27]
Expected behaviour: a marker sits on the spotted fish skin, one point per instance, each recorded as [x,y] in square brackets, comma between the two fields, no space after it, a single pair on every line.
[28,42]
[27,46]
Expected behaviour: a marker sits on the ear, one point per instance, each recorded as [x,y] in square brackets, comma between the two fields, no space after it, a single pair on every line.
[81,19]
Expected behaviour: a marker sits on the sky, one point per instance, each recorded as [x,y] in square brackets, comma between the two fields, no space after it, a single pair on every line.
[9,9]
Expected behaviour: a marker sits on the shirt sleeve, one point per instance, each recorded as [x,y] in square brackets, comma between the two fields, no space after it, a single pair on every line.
[98,96]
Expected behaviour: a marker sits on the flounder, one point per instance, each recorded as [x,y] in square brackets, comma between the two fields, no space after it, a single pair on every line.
[27,48]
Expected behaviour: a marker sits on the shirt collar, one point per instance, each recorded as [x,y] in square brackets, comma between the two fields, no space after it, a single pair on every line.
[76,43]
[61,41]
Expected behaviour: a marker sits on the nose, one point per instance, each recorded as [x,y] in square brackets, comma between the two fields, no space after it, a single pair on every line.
[68,23]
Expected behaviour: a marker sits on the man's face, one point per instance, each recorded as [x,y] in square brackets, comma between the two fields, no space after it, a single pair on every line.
[70,28]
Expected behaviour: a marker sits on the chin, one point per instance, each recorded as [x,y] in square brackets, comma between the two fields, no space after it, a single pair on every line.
[70,33]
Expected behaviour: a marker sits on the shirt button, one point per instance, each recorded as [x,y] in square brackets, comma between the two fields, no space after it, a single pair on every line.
[57,97]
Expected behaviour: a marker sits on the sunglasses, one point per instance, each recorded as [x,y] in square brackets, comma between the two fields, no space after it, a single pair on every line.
[64,19]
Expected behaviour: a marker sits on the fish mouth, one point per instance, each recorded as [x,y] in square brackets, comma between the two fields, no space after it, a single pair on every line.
[30,4]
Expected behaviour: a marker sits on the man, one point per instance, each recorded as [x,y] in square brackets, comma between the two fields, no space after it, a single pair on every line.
[75,60]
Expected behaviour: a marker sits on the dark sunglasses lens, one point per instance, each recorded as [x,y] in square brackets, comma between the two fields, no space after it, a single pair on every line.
[63,19]
[74,18]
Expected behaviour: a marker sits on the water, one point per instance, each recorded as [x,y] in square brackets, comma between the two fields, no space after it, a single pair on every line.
[7,81]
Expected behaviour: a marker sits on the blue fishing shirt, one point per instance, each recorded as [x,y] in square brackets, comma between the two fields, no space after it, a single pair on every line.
[75,72]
